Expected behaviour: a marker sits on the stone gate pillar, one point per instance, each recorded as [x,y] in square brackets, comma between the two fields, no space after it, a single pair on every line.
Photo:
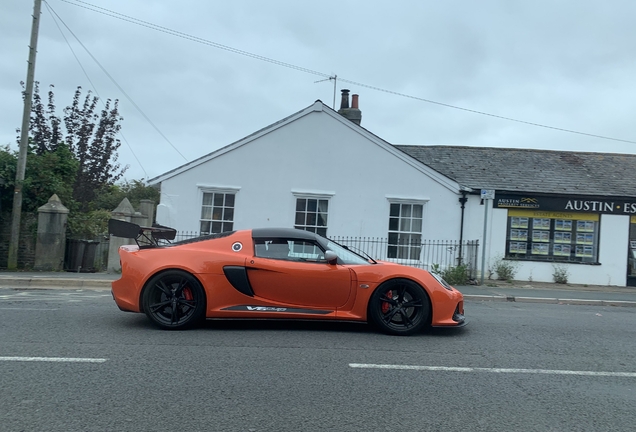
[147,208]
[51,239]
[124,212]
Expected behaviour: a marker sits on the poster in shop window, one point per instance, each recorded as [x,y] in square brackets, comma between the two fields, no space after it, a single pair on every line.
[540,236]
[540,248]
[561,250]
[584,251]
[519,222]
[584,226]
[583,238]
[563,224]
[518,247]
[517,234]
[543,224]
[563,237]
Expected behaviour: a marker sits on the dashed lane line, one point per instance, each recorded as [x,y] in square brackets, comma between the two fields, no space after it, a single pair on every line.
[54,359]
[38,296]
[494,370]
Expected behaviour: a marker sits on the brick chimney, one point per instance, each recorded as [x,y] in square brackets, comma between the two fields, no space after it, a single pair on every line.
[354,114]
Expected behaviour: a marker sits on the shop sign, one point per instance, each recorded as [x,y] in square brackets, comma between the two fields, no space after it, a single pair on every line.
[565,203]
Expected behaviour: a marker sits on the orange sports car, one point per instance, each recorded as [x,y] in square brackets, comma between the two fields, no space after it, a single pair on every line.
[279,273]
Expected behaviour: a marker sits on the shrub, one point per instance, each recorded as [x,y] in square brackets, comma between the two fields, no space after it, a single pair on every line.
[453,275]
[505,269]
[88,225]
[560,274]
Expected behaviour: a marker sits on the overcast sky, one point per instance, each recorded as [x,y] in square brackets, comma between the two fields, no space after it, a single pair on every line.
[566,64]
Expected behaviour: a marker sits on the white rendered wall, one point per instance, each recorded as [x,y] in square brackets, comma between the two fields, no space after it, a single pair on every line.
[317,155]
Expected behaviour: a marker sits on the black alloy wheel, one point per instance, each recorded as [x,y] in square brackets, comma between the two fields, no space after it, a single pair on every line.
[399,307]
[174,300]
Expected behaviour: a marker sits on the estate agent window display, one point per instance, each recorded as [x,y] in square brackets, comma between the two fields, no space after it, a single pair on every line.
[552,236]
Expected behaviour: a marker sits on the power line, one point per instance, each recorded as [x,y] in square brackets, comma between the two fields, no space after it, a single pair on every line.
[169,31]
[124,91]
[485,113]
[54,15]
[182,35]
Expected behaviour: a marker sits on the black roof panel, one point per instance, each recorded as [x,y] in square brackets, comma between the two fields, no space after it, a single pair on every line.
[283,232]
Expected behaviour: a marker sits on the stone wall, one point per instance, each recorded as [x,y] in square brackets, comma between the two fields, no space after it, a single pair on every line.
[28,237]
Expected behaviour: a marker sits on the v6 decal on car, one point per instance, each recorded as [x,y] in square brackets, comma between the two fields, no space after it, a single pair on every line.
[250,308]
[265,308]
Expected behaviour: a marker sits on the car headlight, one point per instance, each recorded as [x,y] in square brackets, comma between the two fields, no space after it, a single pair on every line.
[441,281]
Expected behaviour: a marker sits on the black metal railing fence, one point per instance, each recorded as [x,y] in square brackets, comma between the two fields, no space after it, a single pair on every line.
[427,254]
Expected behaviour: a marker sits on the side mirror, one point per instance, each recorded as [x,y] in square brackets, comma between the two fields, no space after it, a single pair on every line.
[331,257]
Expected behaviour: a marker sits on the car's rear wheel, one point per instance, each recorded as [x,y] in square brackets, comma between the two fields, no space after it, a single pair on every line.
[174,300]
[399,307]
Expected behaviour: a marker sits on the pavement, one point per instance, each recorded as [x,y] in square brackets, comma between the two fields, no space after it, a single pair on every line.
[513,291]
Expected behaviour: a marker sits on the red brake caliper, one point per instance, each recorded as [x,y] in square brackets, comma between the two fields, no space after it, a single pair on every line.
[385,305]
[187,293]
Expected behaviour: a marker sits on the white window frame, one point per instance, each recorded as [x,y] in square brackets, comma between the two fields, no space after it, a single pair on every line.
[307,195]
[413,251]
[225,190]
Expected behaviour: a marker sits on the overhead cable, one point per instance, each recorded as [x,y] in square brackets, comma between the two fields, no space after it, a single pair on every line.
[169,31]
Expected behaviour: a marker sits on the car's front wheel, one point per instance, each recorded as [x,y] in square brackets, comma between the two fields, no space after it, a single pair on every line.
[174,300]
[399,307]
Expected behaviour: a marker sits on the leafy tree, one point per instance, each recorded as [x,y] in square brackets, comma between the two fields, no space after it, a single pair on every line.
[8,166]
[46,174]
[44,124]
[74,157]
[88,225]
[109,198]
[54,172]
[91,137]
[50,173]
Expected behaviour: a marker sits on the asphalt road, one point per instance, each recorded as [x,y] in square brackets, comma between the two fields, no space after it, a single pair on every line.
[71,361]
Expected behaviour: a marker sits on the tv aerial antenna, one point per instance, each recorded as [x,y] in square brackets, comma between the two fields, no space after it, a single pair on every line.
[334,79]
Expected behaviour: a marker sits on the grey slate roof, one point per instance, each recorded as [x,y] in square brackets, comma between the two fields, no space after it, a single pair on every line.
[528,170]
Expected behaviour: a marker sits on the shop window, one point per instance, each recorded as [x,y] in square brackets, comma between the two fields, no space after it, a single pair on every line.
[631,262]
[552,236]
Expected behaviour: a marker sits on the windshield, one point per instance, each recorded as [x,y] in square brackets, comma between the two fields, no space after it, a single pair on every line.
[345,255]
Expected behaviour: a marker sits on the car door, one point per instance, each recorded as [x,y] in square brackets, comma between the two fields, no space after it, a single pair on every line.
[299,276]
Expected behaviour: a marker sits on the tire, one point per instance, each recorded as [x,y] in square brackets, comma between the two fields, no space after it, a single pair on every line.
[399,307]
[174,300]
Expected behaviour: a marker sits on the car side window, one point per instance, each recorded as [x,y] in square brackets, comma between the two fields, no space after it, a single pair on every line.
[302,250]
[275,248]
[289,250]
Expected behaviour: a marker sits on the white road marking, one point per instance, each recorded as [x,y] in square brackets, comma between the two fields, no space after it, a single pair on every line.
[493,370]
[48,296]
[55,359]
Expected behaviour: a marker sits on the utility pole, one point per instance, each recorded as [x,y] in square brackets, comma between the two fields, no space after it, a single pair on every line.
[12,262]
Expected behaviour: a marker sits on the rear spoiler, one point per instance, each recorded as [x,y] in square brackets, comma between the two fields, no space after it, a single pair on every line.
[145,237]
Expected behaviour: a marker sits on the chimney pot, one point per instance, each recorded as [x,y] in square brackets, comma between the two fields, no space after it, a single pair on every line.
[344,102]
[354,114]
